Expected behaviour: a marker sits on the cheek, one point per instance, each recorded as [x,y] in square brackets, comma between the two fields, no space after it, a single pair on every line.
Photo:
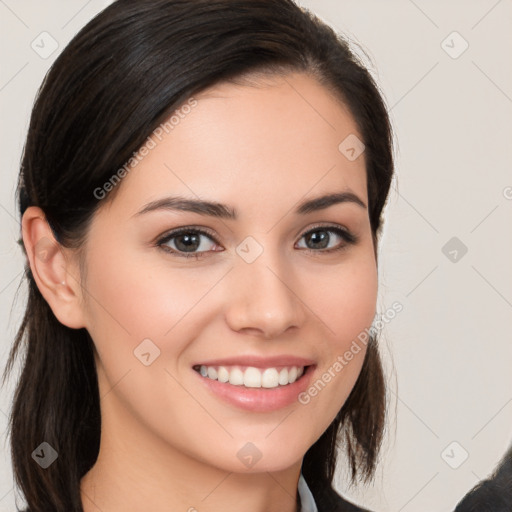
[346,308]
[139,299]
[346,301]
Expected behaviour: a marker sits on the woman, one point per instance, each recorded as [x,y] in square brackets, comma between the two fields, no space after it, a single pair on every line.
[201,196]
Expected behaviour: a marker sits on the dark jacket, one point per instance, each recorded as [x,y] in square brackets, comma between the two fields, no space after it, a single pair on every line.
[494,493]
[328,500]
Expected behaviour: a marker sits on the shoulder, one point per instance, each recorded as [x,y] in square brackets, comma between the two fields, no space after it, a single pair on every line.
[494,493]
[328,500]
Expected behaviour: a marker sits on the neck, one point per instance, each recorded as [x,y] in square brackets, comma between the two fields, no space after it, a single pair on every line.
[136,472]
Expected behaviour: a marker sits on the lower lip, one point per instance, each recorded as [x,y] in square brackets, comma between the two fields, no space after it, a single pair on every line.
[259,399]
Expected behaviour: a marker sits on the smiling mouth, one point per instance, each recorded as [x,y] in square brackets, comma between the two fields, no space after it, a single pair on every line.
[252,377]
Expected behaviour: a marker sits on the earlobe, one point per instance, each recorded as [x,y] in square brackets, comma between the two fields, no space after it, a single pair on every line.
[53,272]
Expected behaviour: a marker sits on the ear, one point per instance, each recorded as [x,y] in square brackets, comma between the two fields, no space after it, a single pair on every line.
[54,269]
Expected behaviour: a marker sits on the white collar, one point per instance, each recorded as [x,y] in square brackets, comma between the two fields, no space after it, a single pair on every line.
[307,500]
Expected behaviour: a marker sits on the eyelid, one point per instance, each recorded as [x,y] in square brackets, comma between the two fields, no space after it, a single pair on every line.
[186,229]
[327,226]
[349,237]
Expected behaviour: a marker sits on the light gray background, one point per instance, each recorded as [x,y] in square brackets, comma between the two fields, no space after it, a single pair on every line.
[449,352]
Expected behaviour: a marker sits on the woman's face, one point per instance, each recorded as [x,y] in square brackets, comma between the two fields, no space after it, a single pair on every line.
[268,292]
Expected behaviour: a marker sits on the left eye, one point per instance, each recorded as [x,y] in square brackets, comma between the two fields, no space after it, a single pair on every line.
[321,236]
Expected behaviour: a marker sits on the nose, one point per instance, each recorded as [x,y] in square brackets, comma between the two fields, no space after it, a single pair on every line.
[263,297]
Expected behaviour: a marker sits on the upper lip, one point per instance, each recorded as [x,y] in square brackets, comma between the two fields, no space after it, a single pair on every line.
[258,361]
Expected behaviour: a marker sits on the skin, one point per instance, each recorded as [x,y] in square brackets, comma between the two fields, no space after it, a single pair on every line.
[167,442]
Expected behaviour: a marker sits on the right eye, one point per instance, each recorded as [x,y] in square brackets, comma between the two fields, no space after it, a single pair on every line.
[184,242]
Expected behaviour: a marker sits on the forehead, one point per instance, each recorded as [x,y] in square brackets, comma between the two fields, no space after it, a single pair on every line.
[263,143]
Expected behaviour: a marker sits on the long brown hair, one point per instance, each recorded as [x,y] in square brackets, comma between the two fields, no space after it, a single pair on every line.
[114,83]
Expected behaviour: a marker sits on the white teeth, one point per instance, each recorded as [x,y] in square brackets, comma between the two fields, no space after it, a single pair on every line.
[253,377]
[283,377]
[222,374]
[236,377]
[270,378]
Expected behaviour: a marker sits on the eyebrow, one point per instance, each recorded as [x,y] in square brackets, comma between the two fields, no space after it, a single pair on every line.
[223,211]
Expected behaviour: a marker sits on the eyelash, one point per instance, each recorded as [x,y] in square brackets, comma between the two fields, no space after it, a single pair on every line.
[347,236]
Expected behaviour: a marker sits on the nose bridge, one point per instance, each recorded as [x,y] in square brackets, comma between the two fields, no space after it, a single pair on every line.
[263,296]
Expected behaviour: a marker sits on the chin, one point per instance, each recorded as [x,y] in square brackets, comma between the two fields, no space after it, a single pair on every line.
[259,457]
